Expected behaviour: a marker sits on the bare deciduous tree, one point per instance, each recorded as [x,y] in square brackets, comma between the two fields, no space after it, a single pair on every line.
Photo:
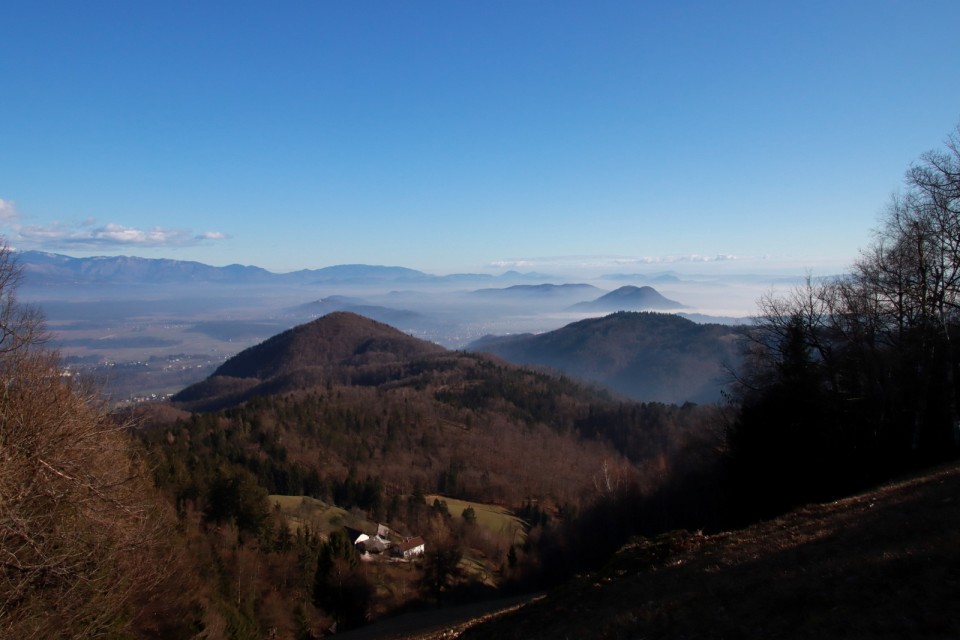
[80,527]
[862,372]
[21,326]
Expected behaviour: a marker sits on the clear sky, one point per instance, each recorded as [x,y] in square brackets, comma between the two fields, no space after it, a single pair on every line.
[455,136]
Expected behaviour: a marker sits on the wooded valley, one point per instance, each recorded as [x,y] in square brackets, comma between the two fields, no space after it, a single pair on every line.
[235,510]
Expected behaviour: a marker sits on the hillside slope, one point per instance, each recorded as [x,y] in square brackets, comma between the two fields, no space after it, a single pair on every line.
[883,564]
[646,356]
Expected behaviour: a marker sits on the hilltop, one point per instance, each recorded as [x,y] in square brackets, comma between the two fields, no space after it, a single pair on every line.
[630,298]
[336,347]
[339,339]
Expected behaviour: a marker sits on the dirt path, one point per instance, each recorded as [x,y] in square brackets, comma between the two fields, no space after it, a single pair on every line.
[437,624]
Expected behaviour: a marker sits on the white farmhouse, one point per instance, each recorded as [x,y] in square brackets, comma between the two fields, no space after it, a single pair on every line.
[410,548]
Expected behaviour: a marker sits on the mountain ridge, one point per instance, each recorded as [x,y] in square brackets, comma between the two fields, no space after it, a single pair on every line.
[44,268]
[648,356]
[545,289]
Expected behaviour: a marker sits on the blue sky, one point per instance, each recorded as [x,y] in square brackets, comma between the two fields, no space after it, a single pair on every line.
[468,136]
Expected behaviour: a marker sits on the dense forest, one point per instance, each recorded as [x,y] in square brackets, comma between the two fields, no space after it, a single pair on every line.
[225,513]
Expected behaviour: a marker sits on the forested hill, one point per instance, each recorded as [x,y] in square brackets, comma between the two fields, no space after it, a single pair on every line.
[337,339]
[646,356]
[353,414]
[361,395]
[339,347]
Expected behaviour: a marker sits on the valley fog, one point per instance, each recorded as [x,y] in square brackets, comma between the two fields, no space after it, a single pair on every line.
[146,339]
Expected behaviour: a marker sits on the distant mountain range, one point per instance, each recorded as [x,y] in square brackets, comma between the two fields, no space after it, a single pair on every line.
[51,268]
[655,278]
[646,356]
[236,304]
[539,291]
[44,269]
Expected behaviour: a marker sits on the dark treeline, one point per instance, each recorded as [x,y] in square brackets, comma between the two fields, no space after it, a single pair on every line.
[851,380]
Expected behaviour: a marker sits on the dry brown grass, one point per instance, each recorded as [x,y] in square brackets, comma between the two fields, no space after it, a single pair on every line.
[884,564]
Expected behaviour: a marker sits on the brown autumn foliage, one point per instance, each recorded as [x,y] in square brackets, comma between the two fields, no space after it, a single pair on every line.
[81,531]
[346,395]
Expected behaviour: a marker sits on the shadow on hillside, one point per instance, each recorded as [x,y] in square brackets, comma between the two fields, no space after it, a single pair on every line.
[880,565]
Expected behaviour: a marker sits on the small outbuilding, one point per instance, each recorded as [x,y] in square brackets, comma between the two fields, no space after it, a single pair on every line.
[369,542]
[376,544]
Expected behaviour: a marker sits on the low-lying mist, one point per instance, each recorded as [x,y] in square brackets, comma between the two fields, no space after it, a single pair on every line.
[177,333]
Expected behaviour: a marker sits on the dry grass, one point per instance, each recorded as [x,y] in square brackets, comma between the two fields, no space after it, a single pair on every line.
[884,564]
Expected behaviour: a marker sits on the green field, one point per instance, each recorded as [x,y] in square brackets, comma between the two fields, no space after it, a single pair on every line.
[492,517]
[318,515]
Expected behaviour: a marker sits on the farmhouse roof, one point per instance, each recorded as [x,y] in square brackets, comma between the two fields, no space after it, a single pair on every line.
[410,543]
